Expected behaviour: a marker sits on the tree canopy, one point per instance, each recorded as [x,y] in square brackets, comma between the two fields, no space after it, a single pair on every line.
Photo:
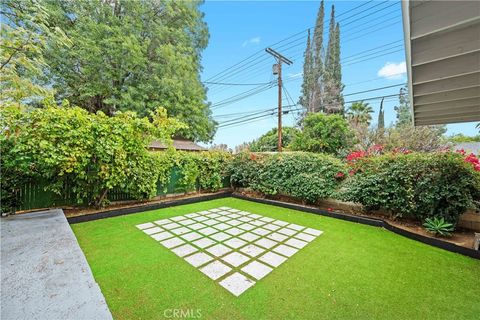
[359,113]
[323,133]
[124,56]
[269,140]
[404,115]
[25,32]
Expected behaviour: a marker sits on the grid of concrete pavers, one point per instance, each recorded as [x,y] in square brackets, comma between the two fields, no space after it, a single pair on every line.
[233,247]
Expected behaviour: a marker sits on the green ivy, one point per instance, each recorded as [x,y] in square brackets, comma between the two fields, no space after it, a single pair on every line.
[203,170]
[303,175]
[92,153]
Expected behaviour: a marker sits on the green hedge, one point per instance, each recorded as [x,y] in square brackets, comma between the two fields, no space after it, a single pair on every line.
[307,176]
[198,170]
[415,185]
[92,155]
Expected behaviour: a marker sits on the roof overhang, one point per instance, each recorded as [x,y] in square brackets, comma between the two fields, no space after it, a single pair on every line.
[442,44]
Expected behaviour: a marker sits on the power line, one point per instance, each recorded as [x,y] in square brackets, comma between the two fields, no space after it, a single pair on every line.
[227,115]
[236,84]
[371,58]
[372,49]
[254,114]
[376,89]
[244,61]
[345,95]
[371,13]
[254,91]
[242,96]
[244,68]
[263,69]
[272,112]
[240,123]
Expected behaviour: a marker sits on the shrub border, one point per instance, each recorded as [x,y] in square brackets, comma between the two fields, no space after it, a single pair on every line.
[226,194]
[371,222]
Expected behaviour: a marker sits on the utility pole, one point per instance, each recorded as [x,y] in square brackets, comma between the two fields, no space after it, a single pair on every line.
[277,69]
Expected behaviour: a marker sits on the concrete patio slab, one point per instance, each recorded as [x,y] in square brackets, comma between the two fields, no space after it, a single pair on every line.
[45,274]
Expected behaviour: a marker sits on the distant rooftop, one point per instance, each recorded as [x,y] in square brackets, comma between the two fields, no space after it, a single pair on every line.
[469,147]
[178,144]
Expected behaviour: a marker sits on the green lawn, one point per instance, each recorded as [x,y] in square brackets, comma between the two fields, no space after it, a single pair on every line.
[351,271]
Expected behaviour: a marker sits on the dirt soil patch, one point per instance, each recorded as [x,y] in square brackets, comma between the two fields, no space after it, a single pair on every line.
[460,237]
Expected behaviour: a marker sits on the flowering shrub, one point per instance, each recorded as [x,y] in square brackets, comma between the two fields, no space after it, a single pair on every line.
[355,155]
[374,150]
[417,185]
[471,158]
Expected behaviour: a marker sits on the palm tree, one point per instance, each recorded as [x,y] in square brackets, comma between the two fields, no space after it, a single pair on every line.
[359,113]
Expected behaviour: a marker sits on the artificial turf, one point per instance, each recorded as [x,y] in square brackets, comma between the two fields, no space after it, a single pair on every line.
[351,271]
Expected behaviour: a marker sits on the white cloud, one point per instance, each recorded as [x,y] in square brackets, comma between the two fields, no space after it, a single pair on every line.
[254,40]
[392,70]
[295,75]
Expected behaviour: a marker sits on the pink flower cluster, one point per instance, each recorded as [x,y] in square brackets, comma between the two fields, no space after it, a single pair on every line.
[373,150]
[473,159]
[355,155]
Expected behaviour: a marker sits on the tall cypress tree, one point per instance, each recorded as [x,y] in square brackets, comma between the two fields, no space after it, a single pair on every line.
[337,73]
[333,97]
[330,55]
[329,69]
[381,117]
[307,85]
[323,74]
[317,69]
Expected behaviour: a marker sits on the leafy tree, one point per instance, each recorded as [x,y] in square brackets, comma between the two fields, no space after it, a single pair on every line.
[423,138]
[404,114]
[131,56]
[459,138]
[220,147]
[92,153]
[323,133]
[245,146]
[25,32]
[269,141]
[359,113]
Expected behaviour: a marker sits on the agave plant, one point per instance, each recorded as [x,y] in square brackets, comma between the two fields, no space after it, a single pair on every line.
[438,225]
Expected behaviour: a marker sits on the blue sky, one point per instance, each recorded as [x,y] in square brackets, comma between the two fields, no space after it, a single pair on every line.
[372,57]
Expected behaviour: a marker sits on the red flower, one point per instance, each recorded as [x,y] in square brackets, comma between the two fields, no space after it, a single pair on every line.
[356,155]
[329,209]
[339,175]
[352,172]
[473,159]
[375,149]
[461,151]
